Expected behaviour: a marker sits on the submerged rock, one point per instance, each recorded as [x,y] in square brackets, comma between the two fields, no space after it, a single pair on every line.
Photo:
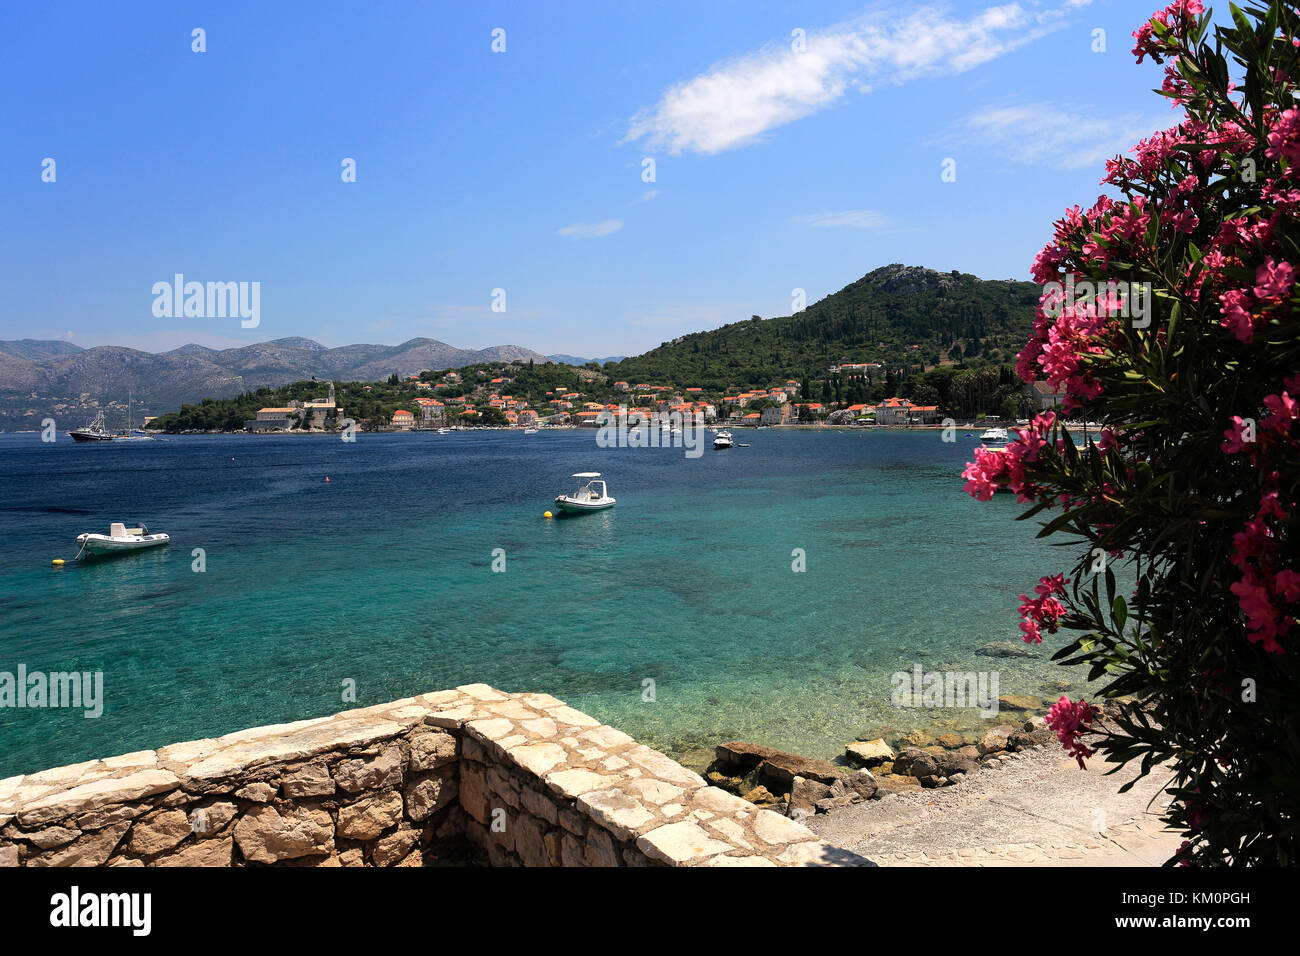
[1019,702]
[1005,649]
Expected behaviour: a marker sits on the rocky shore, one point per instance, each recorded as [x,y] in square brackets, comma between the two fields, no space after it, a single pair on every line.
[800,786]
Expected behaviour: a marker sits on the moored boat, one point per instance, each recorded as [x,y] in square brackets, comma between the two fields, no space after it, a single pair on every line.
[589,496]
[723,440]
[121,538]
[93,430]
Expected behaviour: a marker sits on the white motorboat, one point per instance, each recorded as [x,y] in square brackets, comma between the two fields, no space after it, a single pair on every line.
[530,431]
[994,434]
[589,496]
[120,538]
[723,440]
[444,431]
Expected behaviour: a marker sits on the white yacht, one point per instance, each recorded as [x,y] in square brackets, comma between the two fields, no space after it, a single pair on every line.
[723,439]
[994,434]
[589,496]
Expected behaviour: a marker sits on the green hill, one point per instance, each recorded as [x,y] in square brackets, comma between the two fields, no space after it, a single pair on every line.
[897,315]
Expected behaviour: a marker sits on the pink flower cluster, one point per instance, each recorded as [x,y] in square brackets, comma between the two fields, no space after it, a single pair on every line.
[1177,16]
[1284,137]
[1059,347]
[1071,721]
[1267,593]
[1043,610]
[993,468]
[1244,310]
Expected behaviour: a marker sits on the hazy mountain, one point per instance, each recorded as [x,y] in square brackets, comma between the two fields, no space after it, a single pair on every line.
[576,360]
[40,379]
[38,350]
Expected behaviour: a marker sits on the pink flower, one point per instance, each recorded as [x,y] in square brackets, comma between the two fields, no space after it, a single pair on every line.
[983,474]
[1284,137]
[1282,412]
[1232,437]
[1107,440]
[1236,314]
[1273,280]
[1071,721]
[1055,584]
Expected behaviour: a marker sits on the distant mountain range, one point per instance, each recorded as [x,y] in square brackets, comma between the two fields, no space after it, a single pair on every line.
[899,315]
[62,380]
[576,360]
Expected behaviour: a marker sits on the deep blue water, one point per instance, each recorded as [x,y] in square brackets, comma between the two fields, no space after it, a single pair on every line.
[384,576]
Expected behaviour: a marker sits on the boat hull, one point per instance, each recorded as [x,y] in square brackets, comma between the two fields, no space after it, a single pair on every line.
[572,506]
[105,544]
[87,436]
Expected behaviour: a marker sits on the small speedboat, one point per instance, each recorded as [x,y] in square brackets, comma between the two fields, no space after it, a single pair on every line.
[994,434]
[723,440]
[120,538]
[590,495]
[530,431]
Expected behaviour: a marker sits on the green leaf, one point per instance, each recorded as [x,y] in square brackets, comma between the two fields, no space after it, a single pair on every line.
[1119,611]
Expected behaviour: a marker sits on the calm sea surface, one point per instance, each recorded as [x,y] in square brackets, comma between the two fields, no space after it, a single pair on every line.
[383,576]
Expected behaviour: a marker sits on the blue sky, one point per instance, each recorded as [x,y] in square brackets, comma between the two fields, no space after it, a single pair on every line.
[775,168]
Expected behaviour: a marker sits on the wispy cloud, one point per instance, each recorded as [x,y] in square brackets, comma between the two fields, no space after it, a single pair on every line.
[847,218]
[646,196]
[1044,134]
[738,101]
[591,230]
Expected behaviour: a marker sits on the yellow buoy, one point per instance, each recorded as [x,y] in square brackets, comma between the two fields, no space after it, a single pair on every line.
[548,515]
[56,562]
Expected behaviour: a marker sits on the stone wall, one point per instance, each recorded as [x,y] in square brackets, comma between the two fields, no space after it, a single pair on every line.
[447,778]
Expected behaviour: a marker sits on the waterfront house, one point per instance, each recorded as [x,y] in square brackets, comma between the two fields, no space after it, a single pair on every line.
[1043,396]
[403,420]
[431,410]
[893,411]
[273,419]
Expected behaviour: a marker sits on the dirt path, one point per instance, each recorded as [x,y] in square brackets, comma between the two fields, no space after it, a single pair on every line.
[1038,807]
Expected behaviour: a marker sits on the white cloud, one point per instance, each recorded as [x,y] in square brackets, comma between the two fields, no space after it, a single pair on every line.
[734,103]
[591,230]
[851,218]
[648,195]
[1044,134]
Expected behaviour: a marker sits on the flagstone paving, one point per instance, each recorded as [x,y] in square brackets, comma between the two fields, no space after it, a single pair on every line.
[1038,808]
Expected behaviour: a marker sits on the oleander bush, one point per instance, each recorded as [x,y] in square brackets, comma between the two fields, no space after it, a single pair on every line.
[1188,488]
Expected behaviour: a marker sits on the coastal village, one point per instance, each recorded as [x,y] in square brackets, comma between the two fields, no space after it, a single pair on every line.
[500,396]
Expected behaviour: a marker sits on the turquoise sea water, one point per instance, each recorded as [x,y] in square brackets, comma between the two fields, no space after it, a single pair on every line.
[383,576]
